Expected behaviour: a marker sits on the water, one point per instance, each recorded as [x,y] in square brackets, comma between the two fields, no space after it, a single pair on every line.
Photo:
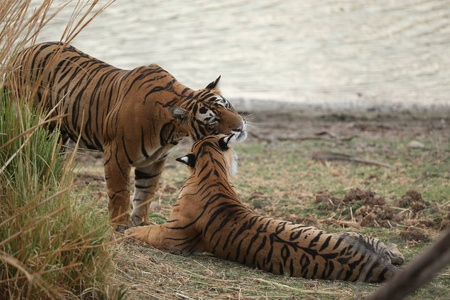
[315,52]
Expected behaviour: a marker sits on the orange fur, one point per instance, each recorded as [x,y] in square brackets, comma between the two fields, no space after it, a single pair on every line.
[134,116]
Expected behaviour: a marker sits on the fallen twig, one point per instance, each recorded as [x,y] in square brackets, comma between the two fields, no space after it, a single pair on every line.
[297,289]
[320,136]
[207,277]
[326,155]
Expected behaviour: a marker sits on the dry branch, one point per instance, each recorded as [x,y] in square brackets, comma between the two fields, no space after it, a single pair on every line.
[297,289]
[418,273]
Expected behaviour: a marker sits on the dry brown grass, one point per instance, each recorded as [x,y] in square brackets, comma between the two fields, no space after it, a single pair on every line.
[23,20]
[50,247]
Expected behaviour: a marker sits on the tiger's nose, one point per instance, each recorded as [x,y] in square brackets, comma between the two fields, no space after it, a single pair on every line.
[240,131]
[240,127]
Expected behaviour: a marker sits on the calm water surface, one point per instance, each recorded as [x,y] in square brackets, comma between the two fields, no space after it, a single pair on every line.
[328,51]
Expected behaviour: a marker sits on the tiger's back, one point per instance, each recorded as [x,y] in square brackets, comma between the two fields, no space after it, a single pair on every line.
[82,87]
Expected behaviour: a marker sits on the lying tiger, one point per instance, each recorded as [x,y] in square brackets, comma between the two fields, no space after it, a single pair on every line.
[134,116]
[209,216]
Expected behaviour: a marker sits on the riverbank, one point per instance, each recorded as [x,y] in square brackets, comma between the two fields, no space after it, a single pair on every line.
[318,108]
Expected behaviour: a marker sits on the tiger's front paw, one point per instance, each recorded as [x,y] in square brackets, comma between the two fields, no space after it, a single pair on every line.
[138,218]
[122,225]
[121,228]
[137,221]
[140,233]
[130,232]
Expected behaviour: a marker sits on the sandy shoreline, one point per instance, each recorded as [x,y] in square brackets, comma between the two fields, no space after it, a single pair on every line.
[273,120]
[246,105]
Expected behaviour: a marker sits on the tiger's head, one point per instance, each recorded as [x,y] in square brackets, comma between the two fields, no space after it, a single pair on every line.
[214,149]
[209,113]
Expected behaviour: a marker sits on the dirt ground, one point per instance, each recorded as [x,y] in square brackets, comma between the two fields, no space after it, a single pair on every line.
[315,123]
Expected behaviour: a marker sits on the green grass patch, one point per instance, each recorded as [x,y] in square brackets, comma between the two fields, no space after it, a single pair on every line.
[51,246]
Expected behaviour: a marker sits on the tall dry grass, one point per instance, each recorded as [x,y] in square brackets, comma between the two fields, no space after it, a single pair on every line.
[51,247]
[21,21]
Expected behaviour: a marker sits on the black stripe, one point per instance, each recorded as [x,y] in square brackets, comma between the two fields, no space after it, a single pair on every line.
[125,175]
[315,269]
[125,150]
[370,271]
[326,243]
[382,273]
[291,267]
[144,152]
[143,186]
[338,243]
[141,175]
[228,239]
[261,246]
[285,253]
[330,270]
[315,240]
[238,250]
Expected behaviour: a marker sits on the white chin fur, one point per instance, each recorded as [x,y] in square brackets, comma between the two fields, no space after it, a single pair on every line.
[240,136]
[234,165]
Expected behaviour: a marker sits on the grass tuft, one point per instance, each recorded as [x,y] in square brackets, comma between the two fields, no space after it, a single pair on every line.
[51,246]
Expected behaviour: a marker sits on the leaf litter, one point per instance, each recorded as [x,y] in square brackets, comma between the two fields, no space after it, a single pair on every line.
[415,215]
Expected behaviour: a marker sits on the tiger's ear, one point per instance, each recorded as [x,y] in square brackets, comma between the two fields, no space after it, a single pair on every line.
[179,113]
[188,159]
[223,142]
[214,86]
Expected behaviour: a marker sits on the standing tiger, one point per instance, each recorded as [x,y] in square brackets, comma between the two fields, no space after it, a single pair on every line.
[134,116]
[209,216]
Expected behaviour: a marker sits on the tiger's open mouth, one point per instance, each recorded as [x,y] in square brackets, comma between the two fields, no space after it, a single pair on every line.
[240,133]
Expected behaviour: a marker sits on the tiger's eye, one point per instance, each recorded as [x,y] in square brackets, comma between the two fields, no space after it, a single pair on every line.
[203,110]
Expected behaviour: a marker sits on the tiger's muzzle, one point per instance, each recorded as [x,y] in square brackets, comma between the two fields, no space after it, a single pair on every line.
[240,132]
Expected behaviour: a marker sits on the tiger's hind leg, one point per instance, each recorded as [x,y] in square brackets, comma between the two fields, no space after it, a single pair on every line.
[389,252]
[394,254]
[147,179]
